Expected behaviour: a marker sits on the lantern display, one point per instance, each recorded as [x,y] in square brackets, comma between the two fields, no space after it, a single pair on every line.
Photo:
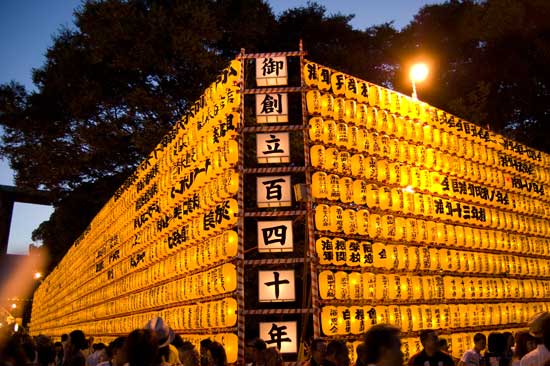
[421,220]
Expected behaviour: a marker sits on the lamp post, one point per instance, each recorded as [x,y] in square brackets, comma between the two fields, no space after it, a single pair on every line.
[418,73]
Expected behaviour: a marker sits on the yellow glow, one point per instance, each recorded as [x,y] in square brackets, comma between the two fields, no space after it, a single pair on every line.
[409,189]
[419,72]
[37,275]
[13,306]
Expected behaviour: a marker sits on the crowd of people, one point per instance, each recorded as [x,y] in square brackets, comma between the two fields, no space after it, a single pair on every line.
[157,345]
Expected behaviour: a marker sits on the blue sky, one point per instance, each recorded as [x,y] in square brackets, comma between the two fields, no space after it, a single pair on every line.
[27,27]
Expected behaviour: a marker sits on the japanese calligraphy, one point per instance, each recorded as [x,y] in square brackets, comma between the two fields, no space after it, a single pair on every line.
[273,191]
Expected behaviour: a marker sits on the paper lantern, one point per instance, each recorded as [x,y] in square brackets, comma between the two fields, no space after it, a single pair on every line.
[331,160]
[342,136]
[362,217]
[369,286]
[361,116]
[325,250]
[394,287]
[330,131]
[333,185]
[370,168]
[346,190]
[414,258]
[322,218]
[230,343]
[327,285]
[327,105]
[340,254]
[417,319]
[336,219]
[316,126]
[356,286]
[339,109]
[350,222]
[406,319]
[342,285]
[356,138]
[329,320]
[357,321]
[319,185]
[317,153]
[344,320]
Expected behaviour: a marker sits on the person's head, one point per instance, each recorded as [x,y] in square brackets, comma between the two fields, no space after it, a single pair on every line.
[205,343]
[361,351]
[509,337]
[443,345]
[318,349]
[429,340]
[115,351]
[29,347]
[141,347]
[99,346]
[255,350]
[64,338]
[216,355]
[77,341]
[162,332]
[525,343]
[480,342]
[45,350]
[539,324]
[496,343]
[383,346]
[188,354]
[273,357]
[58,346]
[337,352]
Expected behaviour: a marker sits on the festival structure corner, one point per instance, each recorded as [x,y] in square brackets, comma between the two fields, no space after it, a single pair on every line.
[294,201]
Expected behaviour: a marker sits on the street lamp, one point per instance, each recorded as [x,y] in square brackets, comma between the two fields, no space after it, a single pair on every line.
[418,73]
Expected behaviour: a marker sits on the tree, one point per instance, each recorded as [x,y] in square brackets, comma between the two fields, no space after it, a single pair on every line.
[488,63]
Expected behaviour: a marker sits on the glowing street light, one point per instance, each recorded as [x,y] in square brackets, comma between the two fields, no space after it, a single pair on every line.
[418,73]
[13,306]
[37,275]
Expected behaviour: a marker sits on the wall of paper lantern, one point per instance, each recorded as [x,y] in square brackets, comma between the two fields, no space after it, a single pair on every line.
[164,243]
[422,219]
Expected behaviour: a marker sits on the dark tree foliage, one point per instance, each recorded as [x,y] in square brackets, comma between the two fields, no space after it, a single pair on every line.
[489,63]
[113,84]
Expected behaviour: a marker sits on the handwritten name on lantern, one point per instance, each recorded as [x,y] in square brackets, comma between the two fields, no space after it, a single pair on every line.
[273,147]
[276,285]
[275,236]
[282,335]
[273,191]
[271,71]
[271,108]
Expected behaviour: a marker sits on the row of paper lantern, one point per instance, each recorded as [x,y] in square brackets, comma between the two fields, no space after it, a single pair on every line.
[382,146]
[438,149]
[366,254]
[219,280]
[190,133]
[419,231]
[341,285]
[340,117]
[212,96]
[198,128]
[335,187]
[384,99]
[396,172]
[225,186]
[336,219]
[344,320]
[123,266]
[208,315]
